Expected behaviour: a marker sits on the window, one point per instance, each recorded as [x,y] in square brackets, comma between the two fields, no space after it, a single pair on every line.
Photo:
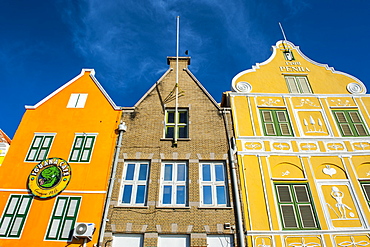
[174,184]
[220,241]
[350,123]
[173,240]
[63,218]
[77,100]
[135,183]
[182,123]
[132,240]
[82,148]
[276,123]
[296,207]
[40,147]
[213,184]
[14,216]
[298,84]
[288,55]
[366,188]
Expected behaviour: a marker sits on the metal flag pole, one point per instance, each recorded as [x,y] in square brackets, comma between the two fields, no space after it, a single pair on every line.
[175,136]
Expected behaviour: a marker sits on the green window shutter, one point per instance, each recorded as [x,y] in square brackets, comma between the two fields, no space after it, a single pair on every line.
[268,123]
[366,188]
[276,123]
[39,148]
[15,215]
[301,193]
[82,148]
[284,193]
[350,123]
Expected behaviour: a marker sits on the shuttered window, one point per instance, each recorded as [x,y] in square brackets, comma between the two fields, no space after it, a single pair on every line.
[82,148]
[350,123]
[366,188]
[40,147]
[63,218]
[298,84]
[296,207]
[276,123]
[14,216]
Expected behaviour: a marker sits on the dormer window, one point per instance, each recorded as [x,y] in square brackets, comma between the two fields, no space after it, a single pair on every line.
[180,128]
[77,100]
[298,84]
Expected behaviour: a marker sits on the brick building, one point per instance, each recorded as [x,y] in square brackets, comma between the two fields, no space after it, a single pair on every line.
[172,183]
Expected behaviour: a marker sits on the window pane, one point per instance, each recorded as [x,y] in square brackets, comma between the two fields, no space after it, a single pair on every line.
[167,192]
[270,130]
[292,86]
[267,117]
[85,155]
[281,115]
[284,128]
[183,131]
[37,141]
[24,205]
[16,226]
[60,207]
[367,190]
[75,154]
[221,198]
[355,117]
[168,172]
[140,194]
[301,194]
[32,154]
[143,171]
[170,132]
[79,141]
[340,116]
[12,205]
[47,142]
[304,84]
[5,225]
[180,195]
[130,171]
[220,175]
[346,130]
[89,142]
[360,128]
[72,208]
[66,229]
[183,117]
[127,191]
[181,172]
[207,195]
[206,172]
[54,228]
[170,117]
[41,155]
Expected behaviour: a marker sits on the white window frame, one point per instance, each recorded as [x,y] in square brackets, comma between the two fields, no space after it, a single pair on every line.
[60,215]
[179,124]
[173,184]
[298,84]
[132,240]
[39,147]
[135,182]
[15,215]
[173,240]
[77,100]
[220,240]
[213,184]
[83,147]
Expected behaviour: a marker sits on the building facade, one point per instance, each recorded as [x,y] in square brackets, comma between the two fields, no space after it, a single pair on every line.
[172,183]
[5,142]
[302,135]
[55,175]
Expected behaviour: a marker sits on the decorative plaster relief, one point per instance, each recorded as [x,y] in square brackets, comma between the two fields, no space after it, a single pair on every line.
[306,103]
[263,241]
[281,146]
[255,146]
[308,146]
[361,146]
[333,147]
[304,241]
[330,171]
[341,102]
[352,240]
[355,88]
[312,123]
[270,101]
[243,87]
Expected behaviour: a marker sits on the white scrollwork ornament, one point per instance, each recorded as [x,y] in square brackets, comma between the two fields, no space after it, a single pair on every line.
[355,88]
[244,87]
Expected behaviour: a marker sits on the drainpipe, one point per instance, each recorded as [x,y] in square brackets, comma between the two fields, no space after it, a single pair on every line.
[121,128]
[234,181]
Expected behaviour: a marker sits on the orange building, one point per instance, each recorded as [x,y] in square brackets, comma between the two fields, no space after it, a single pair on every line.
[4,145]
[56,173]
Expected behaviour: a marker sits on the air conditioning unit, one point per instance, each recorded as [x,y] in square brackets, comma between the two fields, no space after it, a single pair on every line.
[83,230]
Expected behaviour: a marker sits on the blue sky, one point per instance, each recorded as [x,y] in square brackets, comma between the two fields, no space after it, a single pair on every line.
[44,44]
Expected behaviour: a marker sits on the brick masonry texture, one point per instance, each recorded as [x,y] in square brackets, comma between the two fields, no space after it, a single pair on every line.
[144,141]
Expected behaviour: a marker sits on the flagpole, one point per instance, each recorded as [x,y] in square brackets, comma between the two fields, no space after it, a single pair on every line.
[177,80]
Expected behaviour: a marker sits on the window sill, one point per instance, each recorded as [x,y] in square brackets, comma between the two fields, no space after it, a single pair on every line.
[215,207]
[130,206]
[172,207]
[179,139]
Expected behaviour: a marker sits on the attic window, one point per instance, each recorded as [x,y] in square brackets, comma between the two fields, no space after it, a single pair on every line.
[288,55]
[77,100]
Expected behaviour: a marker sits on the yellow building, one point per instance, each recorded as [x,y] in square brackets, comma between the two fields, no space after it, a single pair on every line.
[302,138]
[55,175]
